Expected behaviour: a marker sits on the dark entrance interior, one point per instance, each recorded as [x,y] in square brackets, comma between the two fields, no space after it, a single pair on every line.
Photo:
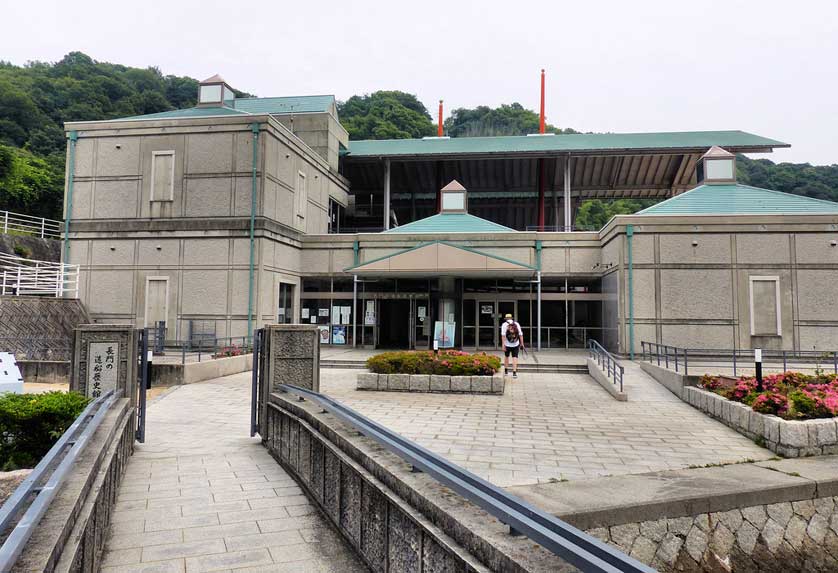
[394,324]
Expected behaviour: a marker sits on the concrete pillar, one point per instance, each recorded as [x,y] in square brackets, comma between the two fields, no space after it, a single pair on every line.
[386,194]
[293,356]
[568,212]
[105,358]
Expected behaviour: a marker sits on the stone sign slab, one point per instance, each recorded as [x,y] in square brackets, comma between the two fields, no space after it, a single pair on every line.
[103,358]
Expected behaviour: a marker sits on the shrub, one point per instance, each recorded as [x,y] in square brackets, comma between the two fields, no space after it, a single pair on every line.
[447,362]
[22,251]
[790,395]
[31,423]
[226,351]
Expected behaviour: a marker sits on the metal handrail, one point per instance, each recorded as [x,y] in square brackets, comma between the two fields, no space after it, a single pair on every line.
[680,358]
[584,551]
[76,438]
[27,224]
[22,276]
[607,363]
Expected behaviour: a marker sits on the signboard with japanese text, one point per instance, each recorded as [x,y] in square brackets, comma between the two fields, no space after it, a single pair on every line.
[103,365]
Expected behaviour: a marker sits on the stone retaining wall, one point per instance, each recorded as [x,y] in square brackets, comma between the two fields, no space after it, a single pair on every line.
[789,438]
[431,383]
[780,537]
[387,533]
[71,535]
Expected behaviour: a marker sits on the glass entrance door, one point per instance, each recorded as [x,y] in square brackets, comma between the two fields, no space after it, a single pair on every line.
[420,323]
[486,324]
[504,307]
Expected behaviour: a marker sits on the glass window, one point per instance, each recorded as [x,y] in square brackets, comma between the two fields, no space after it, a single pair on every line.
[229,96]
[453,201]
[315,284]
[718,168]
[210,94]
[285,312]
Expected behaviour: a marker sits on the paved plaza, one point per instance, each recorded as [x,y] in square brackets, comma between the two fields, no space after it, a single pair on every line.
[549,427]
[200,495]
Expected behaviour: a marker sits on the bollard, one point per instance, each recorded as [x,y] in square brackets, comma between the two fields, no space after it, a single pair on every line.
[758,367]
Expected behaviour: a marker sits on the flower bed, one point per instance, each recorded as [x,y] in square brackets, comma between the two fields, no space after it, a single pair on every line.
[790,395]
[447,363]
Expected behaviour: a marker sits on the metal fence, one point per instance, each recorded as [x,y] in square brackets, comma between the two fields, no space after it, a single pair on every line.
[584,551]
[607,363]
[16,223]
[29,277]
[739,359]
[46,480]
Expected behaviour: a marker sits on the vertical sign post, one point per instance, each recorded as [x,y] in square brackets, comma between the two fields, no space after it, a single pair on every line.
[758,367]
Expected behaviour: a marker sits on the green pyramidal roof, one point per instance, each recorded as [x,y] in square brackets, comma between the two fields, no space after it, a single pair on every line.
[251,106]
[736,199]
[451,223]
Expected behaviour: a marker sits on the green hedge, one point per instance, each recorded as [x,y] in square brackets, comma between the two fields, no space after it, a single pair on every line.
[448,362]
[31,423]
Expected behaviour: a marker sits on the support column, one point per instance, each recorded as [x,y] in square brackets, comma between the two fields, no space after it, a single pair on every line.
[386,194]
[538,307]
[540,176]
[568,213]
[555,195]
[354,310]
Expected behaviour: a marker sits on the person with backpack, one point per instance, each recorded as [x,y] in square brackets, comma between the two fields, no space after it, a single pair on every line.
[513,340]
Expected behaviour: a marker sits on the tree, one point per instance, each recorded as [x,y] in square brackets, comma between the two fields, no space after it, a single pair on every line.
[29,184]
[385,115]
[595,213]
[512,119]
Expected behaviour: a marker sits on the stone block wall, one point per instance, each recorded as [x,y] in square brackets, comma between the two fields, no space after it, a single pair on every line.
[388,534]
[71,535]
[781,537]
[789,438]
[39,327]
[431,383]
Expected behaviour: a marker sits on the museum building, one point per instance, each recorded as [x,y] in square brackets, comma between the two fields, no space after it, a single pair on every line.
[243,211]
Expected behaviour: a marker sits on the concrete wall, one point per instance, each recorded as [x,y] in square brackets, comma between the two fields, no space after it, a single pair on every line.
[692,280]
[198,242]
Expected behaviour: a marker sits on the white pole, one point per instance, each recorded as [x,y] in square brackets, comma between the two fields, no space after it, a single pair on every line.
[6,223]
[568,217]
[539,308]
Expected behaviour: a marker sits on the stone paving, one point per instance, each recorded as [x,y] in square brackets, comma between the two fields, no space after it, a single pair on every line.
[200,495]
[549,427]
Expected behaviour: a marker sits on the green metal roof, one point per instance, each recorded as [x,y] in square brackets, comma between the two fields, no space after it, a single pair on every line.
[189,112]
[736,140]
[252,105]
[295,104]
[451,223]
[736,199]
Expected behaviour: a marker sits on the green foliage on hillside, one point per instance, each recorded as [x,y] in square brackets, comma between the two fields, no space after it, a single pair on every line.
[482,121]
[592,215]
[818,181]
[36,100]
[385,115]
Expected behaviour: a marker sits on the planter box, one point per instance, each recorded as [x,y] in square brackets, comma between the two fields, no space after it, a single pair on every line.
[427,383]
[789,438]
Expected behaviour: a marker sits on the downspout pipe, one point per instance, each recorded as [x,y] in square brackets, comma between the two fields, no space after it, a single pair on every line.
[629,235]
[71,168]
[356,247]
[254,127]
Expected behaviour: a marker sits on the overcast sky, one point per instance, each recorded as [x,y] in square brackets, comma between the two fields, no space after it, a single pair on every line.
[766,67]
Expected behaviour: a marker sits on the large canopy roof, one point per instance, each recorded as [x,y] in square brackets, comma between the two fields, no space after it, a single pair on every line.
[577,143]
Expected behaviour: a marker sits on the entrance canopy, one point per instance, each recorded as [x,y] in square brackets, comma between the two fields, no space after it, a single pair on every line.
[441,258]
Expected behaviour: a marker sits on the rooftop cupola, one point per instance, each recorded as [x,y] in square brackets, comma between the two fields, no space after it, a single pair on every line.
[454,198]
[215,92]
[717,166]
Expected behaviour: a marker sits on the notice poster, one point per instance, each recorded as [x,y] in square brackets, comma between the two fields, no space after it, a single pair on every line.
[304,311]
[323,312]
[324,334]
[336,315]
[369,313]
[338,335]
[313,320]
[486,309]
[421,311]
[444,333]
[345,314]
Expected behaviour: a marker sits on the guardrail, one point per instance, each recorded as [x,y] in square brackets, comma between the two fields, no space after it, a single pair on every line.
[28,225]
[607,363]
[30,277]
[46,485]
[584,551]
[682,358]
